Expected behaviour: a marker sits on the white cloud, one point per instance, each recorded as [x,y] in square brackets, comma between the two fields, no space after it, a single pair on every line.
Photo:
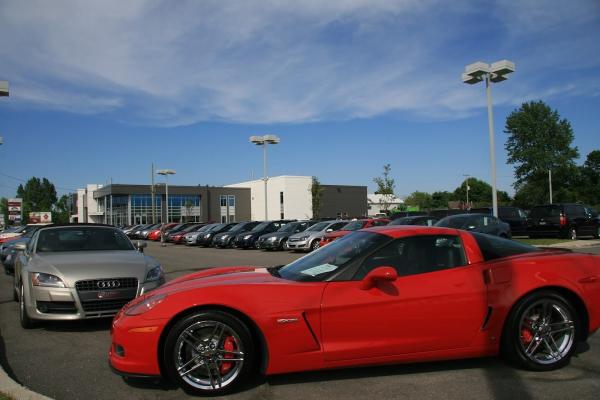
[177,63]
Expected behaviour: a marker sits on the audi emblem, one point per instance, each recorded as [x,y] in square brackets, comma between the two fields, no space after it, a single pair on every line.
[108,284]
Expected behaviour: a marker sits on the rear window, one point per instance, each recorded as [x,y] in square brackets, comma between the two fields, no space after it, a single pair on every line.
[493,247]
[545,212]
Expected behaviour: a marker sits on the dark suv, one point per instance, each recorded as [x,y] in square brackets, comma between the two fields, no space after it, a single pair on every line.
[566,220]
[514,216]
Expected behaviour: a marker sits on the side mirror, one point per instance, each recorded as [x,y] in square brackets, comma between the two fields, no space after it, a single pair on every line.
[140,246]
[20,247]
[388,274]
[329,230]
[470,227]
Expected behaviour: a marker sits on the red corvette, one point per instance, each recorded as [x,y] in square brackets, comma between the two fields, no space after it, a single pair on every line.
[351,227]
[155,234]
[383,295]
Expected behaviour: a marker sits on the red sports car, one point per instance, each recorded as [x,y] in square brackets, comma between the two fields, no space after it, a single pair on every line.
[382,295]
[155,234]
[351,227]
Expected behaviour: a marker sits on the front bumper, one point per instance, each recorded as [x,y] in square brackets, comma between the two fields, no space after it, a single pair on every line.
[65,304]
[134,345]
[298,245]
[245,243]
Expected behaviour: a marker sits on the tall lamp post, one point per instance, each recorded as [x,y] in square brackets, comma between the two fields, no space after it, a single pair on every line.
[166,173]
[467,176]
[3,93]
[264,141]
[478,72]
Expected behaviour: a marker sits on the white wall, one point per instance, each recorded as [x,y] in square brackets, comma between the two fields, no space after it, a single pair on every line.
[86,204]
[296,197]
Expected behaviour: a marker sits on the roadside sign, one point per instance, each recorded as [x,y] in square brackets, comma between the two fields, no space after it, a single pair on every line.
[43,217]
[14,209]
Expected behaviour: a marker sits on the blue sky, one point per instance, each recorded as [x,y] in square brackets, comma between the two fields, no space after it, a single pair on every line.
[100,89]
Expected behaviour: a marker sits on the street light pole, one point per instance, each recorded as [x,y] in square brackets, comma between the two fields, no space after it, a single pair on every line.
[495,72]
[467,182]
[264,141]
[550,184]
[166,173]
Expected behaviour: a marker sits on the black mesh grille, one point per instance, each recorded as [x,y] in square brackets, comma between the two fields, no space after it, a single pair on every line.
[124,283]
[104,305]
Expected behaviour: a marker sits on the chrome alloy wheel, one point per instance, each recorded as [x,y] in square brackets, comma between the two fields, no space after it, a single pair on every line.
[208,355]
[547,332]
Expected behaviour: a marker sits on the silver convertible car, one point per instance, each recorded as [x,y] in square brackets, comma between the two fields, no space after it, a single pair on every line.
[80,271]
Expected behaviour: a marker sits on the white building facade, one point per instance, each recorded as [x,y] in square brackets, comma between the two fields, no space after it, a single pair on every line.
[375,206]
[288,197]
[88,209]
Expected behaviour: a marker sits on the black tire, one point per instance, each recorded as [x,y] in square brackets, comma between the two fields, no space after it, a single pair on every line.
[234,326]
[284,243]
[512,346]
[314,245]
[573,233]
[26,322]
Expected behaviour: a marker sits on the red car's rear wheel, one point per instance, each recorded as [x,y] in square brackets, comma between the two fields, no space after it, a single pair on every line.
[542,332]
[209,352]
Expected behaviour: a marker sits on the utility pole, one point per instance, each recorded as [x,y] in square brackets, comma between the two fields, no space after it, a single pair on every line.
[152,190]
[550,184]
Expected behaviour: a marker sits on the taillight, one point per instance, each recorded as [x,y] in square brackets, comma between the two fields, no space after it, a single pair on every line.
[563,220]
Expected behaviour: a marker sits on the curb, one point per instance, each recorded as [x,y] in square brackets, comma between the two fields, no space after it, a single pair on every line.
[13,389]
[576,244]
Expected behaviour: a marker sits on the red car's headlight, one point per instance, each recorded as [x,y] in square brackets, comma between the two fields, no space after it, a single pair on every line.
[145,305]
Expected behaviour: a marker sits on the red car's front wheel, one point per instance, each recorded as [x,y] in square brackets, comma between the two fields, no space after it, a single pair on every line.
[209,352]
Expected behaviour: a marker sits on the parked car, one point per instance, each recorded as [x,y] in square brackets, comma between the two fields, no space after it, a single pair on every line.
[421,220]
[351,227]
[8,251]
[310,239]
[206,238]
[377,296]
[225,239]
[566,220]
[191,238]
[130,229]
[155,234]
[483,223]
[439,214]
[513,216]
[248,240]
[146,231]
[80,271]
[177,237]
[278,240]
[136,233]
[18,232]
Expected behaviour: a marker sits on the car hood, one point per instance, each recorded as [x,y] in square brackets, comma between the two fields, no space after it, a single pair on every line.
[75,266]
[225,276]
[310,234]
[278,235]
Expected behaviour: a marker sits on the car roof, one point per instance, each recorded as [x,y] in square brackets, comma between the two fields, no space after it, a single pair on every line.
[75,225]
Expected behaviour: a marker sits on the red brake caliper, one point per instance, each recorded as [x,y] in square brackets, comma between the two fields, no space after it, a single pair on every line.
[228,345]
[526,335]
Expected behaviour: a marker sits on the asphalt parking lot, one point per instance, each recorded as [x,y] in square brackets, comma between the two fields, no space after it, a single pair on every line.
[69,360]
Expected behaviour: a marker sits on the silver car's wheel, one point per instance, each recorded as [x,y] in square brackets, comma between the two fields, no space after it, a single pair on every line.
[209,352]
[26,322]
[547,332]
[315,245]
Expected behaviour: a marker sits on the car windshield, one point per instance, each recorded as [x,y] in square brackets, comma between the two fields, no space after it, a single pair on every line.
[211,227]
[453,222]
[30,232]
[354,226]
[321,264]
[318,227]
[241,227]
[81,239]
[261,226]
[288,227]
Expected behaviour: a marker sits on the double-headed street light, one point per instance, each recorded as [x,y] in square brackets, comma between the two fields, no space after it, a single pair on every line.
[166,173]
[475,73]
[264,141]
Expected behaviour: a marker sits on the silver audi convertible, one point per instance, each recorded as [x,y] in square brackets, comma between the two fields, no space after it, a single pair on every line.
[80,271]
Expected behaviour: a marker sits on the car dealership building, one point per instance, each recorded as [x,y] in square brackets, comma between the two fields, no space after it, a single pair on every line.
[289,197]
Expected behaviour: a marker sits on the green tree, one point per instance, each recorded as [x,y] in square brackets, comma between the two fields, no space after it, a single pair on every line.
[62,210]
[421,199]
[539,141]
[385,187]
[588,185]
[4,209]
[38,195]
[316,190]
[441,199]
[480,193]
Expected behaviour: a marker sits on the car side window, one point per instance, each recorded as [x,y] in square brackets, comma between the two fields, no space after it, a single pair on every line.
[337,225]
[416,255]
[31,243]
